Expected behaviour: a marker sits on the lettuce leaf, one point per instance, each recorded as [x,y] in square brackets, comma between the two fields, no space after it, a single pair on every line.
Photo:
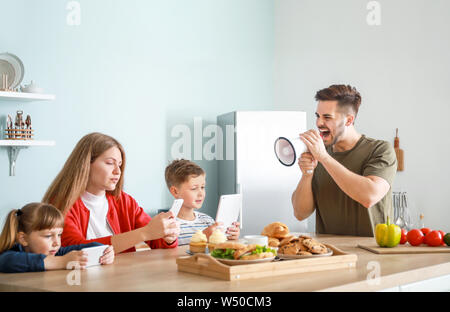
[228,253]
[223,253]
[260,249]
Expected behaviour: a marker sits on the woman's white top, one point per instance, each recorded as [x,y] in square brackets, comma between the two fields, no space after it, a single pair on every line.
[98,209]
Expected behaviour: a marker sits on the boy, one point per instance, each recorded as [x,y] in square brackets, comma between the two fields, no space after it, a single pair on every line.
[186,180]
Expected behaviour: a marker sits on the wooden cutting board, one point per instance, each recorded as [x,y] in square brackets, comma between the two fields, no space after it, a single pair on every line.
[404,249]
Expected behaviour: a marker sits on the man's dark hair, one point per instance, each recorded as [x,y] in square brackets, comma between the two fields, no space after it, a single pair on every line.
[346,96]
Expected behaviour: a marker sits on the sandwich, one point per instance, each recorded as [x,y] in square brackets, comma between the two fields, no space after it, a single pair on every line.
[237,251]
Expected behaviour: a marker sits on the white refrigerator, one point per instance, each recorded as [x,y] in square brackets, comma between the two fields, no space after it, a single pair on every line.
[250,167]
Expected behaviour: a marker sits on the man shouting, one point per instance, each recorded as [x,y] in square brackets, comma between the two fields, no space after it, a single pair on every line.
[346,176]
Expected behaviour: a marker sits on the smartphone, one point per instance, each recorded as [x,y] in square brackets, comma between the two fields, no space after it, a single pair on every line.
[176,206]
[94,254]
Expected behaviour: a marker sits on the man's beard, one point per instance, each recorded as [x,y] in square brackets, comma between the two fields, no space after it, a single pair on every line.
[338,135]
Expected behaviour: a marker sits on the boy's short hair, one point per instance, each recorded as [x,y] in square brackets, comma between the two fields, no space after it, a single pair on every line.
[179,171]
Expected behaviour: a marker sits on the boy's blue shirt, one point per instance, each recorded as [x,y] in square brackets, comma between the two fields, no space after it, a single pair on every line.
[17,260]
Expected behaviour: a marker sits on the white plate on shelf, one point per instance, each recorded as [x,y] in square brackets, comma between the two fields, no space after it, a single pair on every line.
[13,67]
[288,257]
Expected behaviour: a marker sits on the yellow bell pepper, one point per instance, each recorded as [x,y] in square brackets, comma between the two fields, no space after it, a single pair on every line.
[387,235]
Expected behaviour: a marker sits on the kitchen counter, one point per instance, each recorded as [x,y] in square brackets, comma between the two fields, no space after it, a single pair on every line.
[156,270]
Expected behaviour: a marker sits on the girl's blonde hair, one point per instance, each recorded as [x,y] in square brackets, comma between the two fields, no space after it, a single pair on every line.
[72,180]
[32,217]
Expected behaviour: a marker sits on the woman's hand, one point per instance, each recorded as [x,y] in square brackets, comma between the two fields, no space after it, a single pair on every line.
[234,231]
[171,238]
[108,256]
[163,225]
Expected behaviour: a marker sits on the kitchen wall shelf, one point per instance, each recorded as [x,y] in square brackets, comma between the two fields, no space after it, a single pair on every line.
[15,146]
[25,97]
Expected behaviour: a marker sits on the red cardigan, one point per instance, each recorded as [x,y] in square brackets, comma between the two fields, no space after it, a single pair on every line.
[124,214]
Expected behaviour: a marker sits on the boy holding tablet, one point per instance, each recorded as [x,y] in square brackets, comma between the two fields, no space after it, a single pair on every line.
[186,180]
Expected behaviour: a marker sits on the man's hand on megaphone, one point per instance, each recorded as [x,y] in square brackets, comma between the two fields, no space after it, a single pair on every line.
[307,163]
[314,143]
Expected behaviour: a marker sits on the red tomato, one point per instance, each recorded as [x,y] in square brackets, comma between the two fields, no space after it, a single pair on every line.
[425,231]
[415,237]
[403,238]
[434,238]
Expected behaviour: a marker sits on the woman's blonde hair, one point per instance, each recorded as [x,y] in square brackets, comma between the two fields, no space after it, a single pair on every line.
[72,180]
[32,217]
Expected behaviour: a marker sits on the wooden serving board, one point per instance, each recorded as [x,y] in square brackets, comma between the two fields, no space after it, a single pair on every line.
[206,265]
[404,249]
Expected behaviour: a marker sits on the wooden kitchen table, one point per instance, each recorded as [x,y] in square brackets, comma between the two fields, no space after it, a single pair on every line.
[156,270]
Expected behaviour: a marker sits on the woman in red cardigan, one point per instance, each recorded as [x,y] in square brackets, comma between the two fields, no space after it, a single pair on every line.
[88,190]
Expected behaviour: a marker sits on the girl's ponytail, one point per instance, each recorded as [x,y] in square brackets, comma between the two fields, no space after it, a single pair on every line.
[10,229]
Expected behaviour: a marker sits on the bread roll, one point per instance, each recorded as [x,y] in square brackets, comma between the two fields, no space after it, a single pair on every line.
[230,245]
[274,242]
[276,229]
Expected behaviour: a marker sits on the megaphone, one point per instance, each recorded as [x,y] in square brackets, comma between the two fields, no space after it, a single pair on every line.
[288,150]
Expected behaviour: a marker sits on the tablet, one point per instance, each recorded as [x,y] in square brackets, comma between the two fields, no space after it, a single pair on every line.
[229,209]
[176,206]
[94,254]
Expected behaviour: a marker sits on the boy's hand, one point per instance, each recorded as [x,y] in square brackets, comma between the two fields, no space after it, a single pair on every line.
[209,230]
[108,256]
[234,231]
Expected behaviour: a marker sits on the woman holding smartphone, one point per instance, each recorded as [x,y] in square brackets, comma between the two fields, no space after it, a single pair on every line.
[88,191]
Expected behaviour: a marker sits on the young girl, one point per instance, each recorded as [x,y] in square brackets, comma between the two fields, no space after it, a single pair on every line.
[31,242]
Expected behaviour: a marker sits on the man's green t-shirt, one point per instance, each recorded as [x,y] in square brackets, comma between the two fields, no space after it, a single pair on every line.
[336,212]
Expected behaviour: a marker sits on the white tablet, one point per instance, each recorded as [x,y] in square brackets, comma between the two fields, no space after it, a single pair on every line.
[176,206]
[229,209]
[94,254]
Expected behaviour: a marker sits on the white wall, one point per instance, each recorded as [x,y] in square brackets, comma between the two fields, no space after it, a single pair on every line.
[401,68]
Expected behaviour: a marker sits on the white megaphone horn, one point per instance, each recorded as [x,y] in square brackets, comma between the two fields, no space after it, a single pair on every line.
[288,150]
